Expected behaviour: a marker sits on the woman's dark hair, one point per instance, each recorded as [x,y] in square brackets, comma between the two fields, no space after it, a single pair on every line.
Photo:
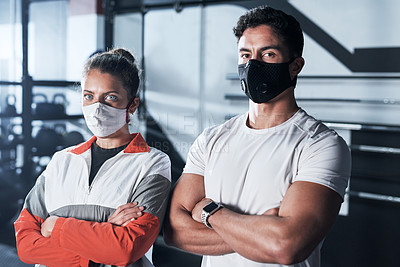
[286,26]
[119,63]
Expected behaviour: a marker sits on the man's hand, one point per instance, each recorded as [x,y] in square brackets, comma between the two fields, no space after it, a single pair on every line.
[272,212]
[48,225]
[126,213]
[198,208]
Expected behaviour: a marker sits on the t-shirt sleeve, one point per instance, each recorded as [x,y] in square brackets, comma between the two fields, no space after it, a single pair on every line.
[196,159]
[326,160]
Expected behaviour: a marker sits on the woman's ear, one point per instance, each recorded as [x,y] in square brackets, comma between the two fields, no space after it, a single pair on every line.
[296,66]
[133,106]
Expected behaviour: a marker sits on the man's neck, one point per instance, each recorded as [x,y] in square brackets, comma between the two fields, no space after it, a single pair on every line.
[271,114]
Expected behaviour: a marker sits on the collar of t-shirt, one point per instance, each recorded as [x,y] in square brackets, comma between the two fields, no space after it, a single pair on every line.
[99,156]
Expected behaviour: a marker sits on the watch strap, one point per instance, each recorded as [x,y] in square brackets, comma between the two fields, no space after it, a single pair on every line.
[205,215]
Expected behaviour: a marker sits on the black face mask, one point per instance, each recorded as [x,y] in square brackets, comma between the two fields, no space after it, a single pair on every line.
[262,81]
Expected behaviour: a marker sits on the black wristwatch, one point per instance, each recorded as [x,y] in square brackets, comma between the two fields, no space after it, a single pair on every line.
[209,210]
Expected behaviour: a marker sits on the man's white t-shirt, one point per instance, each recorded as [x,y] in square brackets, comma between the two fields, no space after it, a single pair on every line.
[249,170]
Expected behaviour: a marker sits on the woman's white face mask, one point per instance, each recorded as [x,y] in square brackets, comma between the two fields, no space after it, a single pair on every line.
[103,120]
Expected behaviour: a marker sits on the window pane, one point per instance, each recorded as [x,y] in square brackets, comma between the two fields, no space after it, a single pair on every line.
[128,33]
[11,44]
[10,101]
[61,39]
[69,98]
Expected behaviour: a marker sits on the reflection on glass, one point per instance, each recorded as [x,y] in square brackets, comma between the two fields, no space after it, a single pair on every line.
[10,42]
[61,38]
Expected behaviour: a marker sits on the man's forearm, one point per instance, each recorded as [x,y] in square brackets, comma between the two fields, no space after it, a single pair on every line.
[305,216]
[189,235]
[181,229]
[256,237]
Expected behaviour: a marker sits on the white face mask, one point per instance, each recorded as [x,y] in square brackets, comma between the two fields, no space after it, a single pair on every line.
[103,120]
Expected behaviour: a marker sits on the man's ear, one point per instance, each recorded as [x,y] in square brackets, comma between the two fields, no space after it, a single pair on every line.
[133,106]
[296,66]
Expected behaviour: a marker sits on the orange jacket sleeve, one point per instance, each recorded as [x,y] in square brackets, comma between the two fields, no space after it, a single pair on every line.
[107,243]
[34,248]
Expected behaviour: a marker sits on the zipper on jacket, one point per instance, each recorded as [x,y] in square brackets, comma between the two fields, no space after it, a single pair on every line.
[99,172]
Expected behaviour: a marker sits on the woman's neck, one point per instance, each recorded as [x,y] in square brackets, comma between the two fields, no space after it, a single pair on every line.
[117,139]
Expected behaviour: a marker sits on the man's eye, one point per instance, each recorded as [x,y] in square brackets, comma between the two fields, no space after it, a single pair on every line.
[245,55]
[269,54]
[88,97]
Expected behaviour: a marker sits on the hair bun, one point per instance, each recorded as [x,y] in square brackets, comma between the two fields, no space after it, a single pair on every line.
[123,53]
[118,62]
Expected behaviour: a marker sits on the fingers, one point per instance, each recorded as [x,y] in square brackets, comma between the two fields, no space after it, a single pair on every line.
[122,208]
[125,223]
[48,225]
[273,211]
[126,213]
[125,206]
[198,208]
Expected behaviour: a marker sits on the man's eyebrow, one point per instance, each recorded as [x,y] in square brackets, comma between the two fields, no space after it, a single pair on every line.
[244,50]
[276,47]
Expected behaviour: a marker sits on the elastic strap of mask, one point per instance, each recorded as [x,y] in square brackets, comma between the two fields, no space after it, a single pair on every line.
[127,108]
[294,81]
[291,61]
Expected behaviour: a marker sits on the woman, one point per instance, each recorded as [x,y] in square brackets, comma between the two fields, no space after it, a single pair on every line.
[102,202]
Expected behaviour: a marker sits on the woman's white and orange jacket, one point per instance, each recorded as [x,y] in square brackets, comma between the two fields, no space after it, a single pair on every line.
[82,233]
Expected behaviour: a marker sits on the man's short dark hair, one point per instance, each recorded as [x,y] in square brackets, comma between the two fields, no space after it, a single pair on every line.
[286,26]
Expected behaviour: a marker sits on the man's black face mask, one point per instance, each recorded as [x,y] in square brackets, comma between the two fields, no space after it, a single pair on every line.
[262,81]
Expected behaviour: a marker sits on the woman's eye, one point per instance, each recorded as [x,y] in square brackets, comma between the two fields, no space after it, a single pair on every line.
[111,97]
[88,97]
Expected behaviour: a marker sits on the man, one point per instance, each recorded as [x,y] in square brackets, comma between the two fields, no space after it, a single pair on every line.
[266,186]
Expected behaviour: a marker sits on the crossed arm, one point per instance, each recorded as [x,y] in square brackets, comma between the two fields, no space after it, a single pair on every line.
[306,214]
[123,215]
[72,242]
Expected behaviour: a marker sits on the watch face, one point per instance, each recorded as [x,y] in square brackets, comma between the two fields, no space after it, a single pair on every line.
[210,207]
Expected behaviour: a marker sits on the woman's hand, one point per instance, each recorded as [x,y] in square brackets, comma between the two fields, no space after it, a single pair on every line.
[126,213]
[48,225]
